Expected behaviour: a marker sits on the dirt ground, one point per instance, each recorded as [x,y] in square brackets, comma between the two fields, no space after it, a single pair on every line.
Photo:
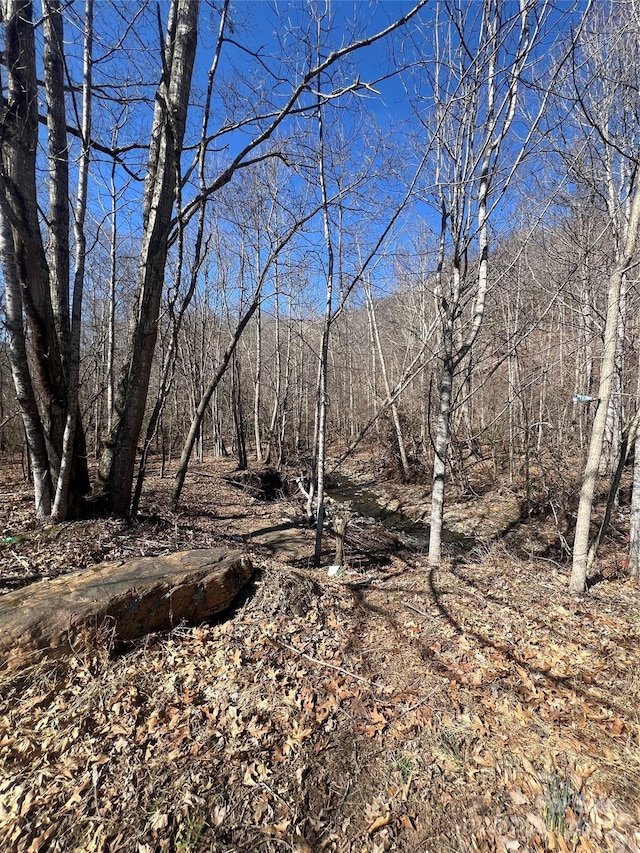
[476,707]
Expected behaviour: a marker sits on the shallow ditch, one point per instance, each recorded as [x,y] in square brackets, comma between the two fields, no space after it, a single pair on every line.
[364,501]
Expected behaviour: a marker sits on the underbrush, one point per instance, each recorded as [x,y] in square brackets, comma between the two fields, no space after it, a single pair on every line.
[472,708]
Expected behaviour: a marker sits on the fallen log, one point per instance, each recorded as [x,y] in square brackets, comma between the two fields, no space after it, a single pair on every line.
[117,602]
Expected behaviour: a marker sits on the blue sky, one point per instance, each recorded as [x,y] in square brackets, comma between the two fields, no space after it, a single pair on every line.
[273,33]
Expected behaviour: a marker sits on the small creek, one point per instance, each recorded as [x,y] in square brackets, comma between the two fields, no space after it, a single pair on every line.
[364,501]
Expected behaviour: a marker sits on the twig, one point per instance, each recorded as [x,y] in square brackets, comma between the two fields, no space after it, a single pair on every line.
[331,666]
[411,607]
[276,795]
[21,560]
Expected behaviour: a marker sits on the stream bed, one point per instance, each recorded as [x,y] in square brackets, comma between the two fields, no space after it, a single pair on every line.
[364,501]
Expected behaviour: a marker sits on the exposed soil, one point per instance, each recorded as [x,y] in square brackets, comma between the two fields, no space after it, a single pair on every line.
[476,707]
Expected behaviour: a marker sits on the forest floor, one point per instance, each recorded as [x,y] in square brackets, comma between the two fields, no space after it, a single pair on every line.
[473,707]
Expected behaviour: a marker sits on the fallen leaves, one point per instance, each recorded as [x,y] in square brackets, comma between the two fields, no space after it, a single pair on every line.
[376,725]
[484,714]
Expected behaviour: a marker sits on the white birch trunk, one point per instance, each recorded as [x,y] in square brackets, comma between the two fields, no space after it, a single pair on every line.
[634,520]
[257,389]
[578,583]
[323,367]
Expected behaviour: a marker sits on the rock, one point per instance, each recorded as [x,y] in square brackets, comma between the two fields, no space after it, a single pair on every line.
[117,601]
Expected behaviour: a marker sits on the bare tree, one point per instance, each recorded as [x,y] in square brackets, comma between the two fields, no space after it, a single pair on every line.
[606,111]
[179,303]
[389,398]
[607,370]
[162,186]
[38,273]
[318,465]
[44,355]
[63,487]
[479,65]
[247,310]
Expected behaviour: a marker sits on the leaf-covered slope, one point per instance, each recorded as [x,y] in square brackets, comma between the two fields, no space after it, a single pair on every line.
[473,708]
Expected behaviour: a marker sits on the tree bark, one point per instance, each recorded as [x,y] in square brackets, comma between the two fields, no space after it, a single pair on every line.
[73,428]
[322,401]
[480,121]
[161,189]
[441,447]
[634,521]
[257,390]
[36,443]
[404,462]
[54,84]
[39,294]
[578,582]
[236,411]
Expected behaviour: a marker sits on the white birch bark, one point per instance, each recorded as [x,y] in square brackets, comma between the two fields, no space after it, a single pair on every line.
[634,520]
[578,582]
[477,137]
[323,366]
[42,291]
[36,444]
[257,389]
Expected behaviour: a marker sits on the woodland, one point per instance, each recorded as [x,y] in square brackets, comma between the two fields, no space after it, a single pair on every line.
[351,287]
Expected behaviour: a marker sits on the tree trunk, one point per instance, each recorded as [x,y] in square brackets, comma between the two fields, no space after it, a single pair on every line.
[257,389]
[36,444]
[236,411]
[38,294]
[54,84]
[391,402]
[323,367]
[283,394]
[479,126]
[634,521]
[578,583]
[441,447]
[627,439]
[169,361]
[279,405]
[161,189]
[73,428]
